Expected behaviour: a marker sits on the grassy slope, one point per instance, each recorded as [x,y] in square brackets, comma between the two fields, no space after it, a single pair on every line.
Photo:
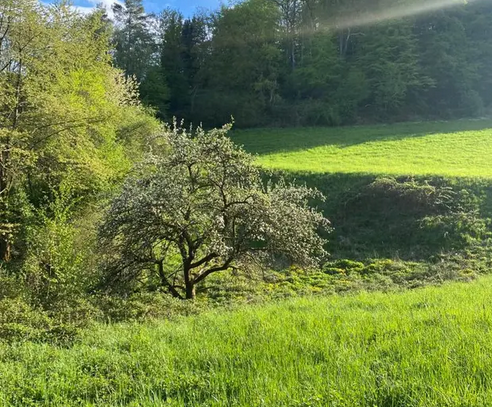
[459,148]
[427,347]
[374,220]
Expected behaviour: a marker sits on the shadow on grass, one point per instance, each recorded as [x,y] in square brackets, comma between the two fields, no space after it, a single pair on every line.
[410,218]
[269,141]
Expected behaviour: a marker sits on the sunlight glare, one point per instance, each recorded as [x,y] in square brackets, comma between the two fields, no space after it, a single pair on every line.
[411,8]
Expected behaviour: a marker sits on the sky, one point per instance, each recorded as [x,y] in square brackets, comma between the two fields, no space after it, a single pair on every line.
[187,7]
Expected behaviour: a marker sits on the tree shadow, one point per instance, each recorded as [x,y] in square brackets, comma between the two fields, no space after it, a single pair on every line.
[410,218]
[271,141]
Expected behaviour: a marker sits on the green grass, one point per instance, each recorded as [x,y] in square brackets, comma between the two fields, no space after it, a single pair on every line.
[457,148]
[427,347]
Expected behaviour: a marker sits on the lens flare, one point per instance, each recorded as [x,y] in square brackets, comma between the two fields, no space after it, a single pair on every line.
[411,8]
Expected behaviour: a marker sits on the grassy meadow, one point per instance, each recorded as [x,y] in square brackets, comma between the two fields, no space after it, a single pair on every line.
[411,206]
[450,149]
[427,347]
[414,191]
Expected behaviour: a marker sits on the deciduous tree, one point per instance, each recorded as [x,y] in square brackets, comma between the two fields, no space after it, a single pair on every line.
[204,208]
[63,110]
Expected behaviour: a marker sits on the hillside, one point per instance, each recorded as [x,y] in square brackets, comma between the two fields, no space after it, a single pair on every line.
[428,347]
[452,149]
[419,193]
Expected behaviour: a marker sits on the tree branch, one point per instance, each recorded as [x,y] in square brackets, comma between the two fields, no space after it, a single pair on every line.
[209,271]
[165,281]
[201,262]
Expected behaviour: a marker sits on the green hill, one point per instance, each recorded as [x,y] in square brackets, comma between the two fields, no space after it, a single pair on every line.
[417,192]
[423,347]
[457,148]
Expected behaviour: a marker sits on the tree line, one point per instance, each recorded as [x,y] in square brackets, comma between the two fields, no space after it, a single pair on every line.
[310,62]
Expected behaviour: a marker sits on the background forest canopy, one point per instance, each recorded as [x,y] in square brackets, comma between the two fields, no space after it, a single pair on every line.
[311,62]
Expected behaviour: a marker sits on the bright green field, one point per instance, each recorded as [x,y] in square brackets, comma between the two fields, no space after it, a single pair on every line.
[427,347]
[459,148]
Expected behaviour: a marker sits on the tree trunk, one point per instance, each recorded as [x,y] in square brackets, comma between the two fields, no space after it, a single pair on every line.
[188,281]
[190,291]
[4,249]
[6,173]
[5,245]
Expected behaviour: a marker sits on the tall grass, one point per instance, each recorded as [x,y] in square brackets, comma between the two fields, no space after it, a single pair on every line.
[428,347]
[458,148]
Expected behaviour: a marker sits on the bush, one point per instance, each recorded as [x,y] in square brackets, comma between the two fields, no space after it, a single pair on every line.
[21,322]
[144,306]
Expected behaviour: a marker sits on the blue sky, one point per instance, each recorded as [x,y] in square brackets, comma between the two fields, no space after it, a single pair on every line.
[187,7]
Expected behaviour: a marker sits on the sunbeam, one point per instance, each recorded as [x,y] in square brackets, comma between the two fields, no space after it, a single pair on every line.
[379,15]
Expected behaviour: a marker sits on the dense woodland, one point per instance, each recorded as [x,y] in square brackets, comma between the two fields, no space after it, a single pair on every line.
[310,62]
[71,127]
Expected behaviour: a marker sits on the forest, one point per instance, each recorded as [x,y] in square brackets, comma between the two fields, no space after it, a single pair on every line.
[310,62]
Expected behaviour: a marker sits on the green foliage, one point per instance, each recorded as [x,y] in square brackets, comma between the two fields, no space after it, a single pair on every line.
[155,92]
[437,227]
[57,263]
[316,62]
[134,45]
[20,322]
[388,56]
[454,71]
[71,126]
[63,107]
[242,71]
[418,218]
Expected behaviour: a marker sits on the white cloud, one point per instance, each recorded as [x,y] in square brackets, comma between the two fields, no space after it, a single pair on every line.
[106,3]
[83,10]
[88,9]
